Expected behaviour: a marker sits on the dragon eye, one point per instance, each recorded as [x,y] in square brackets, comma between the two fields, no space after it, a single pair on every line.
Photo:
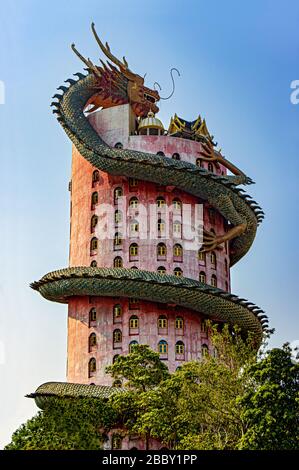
[149,98]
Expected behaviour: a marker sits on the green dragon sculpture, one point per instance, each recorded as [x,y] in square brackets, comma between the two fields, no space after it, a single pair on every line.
[112,84]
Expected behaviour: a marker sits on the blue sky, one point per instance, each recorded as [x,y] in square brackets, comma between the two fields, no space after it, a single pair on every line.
[237,60]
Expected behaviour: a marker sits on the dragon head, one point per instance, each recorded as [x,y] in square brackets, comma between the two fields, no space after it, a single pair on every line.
[117,84]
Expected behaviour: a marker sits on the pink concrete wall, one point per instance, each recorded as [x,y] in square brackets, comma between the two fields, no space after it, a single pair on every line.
[115,125]
[192,335]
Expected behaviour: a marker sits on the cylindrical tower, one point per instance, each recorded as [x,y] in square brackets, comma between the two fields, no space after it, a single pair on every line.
[143,200]
[144,227]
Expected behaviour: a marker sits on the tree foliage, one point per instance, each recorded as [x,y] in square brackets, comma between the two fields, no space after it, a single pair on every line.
[231,399]
[270,407]
[65,424]
[140,370]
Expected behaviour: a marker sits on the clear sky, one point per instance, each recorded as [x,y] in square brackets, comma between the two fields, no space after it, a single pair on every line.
[237,60]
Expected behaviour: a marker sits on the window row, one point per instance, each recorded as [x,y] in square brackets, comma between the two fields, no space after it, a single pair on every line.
[162,345]
[134,201]
[117,312]
[161,251]
[162,349]
[199,161]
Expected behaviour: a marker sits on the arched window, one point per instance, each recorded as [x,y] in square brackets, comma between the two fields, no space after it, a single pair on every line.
[133,250]
[92,315]
[117,240]
[161,203]
[95,177]
[161,251]
[226,266]
[199,162]
[202,277]
[210,167]
[92,341]
[176,156]
[213,259]
[179,323]
[92,367]
[160,226]
[118,216]
[94,199]
[177,251]
[179,347]
[93,244]
[161,154]
[118,145]
[177,227]
[163,347]
[134,322]
[132,345]
[117,336]
[212,215]
[161,270]
[116,442]
[162,322]
[133,183]
[178,272]
[93,222]
[177,204]
[213,281]
[117,311]
[133,267]
[202,257]
[133,203]
[203,326]
[117,193]
[93,264]
[117,262]
[204,350]
[134,227]
[115,357]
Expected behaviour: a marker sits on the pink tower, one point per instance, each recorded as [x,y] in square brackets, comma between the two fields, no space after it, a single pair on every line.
[156,223]
[102,327]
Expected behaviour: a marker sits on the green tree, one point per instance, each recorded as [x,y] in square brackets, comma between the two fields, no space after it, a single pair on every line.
[196,407]
[140,370]
[231,399]
[65,424]
[270,407]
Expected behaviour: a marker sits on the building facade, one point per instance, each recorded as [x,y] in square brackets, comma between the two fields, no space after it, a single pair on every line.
[100,328]
[157,219]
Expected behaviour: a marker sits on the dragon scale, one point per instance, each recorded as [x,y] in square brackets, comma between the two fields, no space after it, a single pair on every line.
[109,86]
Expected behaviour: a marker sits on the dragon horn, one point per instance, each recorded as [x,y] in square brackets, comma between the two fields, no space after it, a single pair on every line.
[124,66]
[87,62]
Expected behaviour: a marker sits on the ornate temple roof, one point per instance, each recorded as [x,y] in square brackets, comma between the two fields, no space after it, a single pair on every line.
[194,130]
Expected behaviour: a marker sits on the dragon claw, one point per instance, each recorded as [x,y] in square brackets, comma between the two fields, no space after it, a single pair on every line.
[210,241]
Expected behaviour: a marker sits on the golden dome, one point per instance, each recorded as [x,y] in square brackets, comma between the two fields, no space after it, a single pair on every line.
[150,122]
